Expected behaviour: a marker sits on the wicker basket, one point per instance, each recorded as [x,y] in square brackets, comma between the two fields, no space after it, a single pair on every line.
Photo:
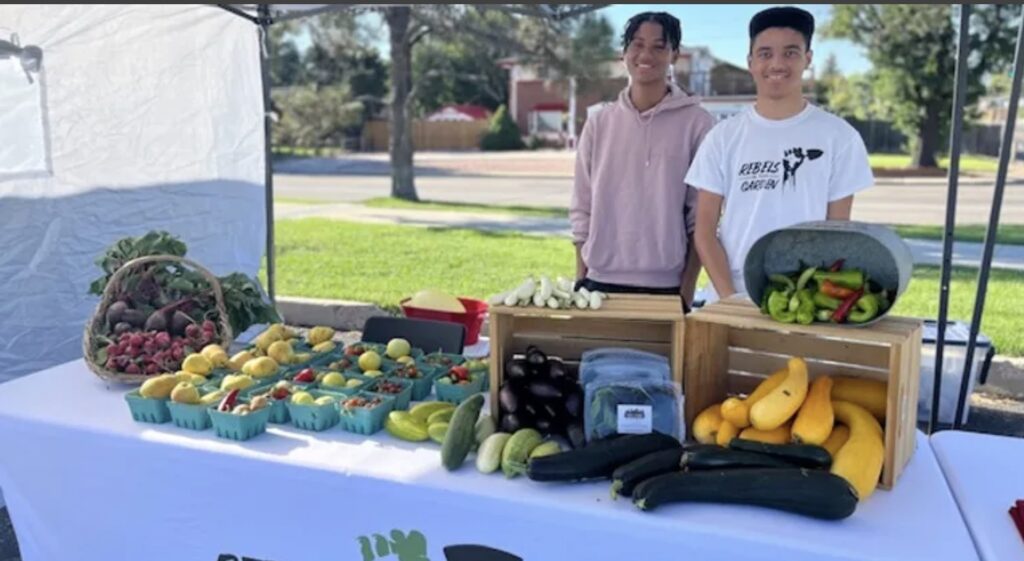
[94,325]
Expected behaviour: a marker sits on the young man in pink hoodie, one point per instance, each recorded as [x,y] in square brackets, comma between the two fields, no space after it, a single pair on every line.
[632,213]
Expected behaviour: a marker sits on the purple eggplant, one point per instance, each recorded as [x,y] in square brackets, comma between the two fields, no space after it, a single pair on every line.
[508,398]
[545,390]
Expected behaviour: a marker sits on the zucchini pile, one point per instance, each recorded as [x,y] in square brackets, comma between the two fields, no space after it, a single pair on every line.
[655,469]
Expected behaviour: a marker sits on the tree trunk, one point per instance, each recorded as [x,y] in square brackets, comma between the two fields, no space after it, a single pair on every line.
[400,137]
[928,136]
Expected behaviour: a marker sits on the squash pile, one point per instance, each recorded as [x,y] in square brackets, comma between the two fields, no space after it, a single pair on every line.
[843,415]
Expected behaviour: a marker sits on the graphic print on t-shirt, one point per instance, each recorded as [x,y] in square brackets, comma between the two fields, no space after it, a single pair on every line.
[792,159]
[764,175]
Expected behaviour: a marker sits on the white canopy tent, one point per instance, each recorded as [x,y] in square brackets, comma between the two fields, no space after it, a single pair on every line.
[138,118]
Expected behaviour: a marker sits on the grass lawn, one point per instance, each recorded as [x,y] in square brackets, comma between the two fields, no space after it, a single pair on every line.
[968,162]
[1007,234]
[319,258]
[540,212]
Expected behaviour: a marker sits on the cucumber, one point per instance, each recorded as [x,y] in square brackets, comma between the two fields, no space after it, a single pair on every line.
[400,424]
[461,432]
[803,455]
[517,451]
[598,459]
[488,458]
[815,493]
[422,411]
[628,476]
[546,449]
[725,458]
[485,427]
[441,416]
[437,432]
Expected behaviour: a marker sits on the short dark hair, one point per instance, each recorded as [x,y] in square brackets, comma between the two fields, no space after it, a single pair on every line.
[671,30]
[785,16]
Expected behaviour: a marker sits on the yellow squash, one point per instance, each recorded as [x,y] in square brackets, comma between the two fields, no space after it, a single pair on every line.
[726,432]
[814,422]
[774,409]
[735,411]
[860,459]
[705,426]
[869,394]
[778,435]
[840,434]
[766,387]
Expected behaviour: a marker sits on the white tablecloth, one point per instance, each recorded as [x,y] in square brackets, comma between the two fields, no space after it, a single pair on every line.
[986,475]
[88,483]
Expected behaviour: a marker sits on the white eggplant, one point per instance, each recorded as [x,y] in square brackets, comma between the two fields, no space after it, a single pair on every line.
[526,289]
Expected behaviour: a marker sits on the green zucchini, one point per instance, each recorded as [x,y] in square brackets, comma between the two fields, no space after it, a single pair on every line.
[461,435]
[724,458]
[815,493]
[803,455]
[598,459]
[627,476]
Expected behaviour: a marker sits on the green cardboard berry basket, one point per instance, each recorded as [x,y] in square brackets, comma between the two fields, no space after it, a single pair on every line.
[366,421]
[278,409]
[453,393]
[190,416]
[423,385]
[402,398]
[146,410]
[315,417]
[239,427]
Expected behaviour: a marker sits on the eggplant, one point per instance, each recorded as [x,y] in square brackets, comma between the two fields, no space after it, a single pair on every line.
[516,368]
[536,357]
[508,398]
[510,423]
[545,389]
[544,425]
[557,369]
[574,432]
[574,404]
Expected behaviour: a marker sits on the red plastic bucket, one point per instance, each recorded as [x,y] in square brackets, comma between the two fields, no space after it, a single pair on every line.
[472,319]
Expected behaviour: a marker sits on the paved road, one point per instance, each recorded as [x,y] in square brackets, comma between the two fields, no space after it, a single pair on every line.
[890,201]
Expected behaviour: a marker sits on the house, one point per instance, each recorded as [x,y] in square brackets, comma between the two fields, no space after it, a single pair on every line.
[535,98]
[464,112]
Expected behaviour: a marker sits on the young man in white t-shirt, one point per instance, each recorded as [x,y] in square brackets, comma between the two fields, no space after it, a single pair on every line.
[780,162]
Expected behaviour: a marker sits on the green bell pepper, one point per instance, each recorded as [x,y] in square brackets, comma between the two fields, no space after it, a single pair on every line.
[823,314]
[850,278]
[778,307]
[805,313]
[825,301]
[865,309]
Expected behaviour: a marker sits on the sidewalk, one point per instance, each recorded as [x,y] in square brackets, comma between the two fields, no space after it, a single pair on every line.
[926,252]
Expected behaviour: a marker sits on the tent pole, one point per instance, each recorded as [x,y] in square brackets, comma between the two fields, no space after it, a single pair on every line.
[264,21]
[993,222]
[960,99]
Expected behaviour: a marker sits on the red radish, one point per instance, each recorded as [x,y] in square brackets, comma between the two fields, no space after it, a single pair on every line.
[132,368]
[136,340]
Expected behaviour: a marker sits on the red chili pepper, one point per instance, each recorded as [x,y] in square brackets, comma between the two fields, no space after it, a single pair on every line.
[839,316]
[837,266]
[829,288]
[228,403]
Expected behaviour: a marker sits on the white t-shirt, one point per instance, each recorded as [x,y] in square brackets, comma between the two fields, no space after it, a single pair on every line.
[776,173]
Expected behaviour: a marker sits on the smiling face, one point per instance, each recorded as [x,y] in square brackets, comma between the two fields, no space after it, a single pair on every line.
[649,54]
[777,61]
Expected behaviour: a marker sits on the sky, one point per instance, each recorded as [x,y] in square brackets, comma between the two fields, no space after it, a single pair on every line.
[722,28]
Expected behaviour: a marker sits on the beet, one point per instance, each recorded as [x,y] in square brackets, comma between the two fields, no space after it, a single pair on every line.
[116,312]
[157,321]
[134,317]
[180,322]
[122,328]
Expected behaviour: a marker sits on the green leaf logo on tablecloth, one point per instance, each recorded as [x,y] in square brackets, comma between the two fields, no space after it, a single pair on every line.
[413,547]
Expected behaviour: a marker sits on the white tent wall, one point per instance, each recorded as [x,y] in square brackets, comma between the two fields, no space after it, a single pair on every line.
[154,120]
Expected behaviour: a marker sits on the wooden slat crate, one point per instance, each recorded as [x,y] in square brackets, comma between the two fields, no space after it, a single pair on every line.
[644,322]
[731,347]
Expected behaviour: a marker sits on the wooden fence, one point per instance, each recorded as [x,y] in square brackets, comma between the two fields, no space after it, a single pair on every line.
[428,135]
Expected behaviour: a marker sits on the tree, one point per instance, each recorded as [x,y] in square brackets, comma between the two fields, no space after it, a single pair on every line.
[502,134]
[830,79]
[317,116]
[913,48]
[408,26]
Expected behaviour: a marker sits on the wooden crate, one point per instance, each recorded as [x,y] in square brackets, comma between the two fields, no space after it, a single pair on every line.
[731,347]
[644,322]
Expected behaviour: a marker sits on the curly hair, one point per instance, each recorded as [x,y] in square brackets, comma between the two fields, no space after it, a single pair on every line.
[671,30]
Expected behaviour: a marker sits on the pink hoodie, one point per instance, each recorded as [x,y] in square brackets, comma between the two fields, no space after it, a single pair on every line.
[630,206]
